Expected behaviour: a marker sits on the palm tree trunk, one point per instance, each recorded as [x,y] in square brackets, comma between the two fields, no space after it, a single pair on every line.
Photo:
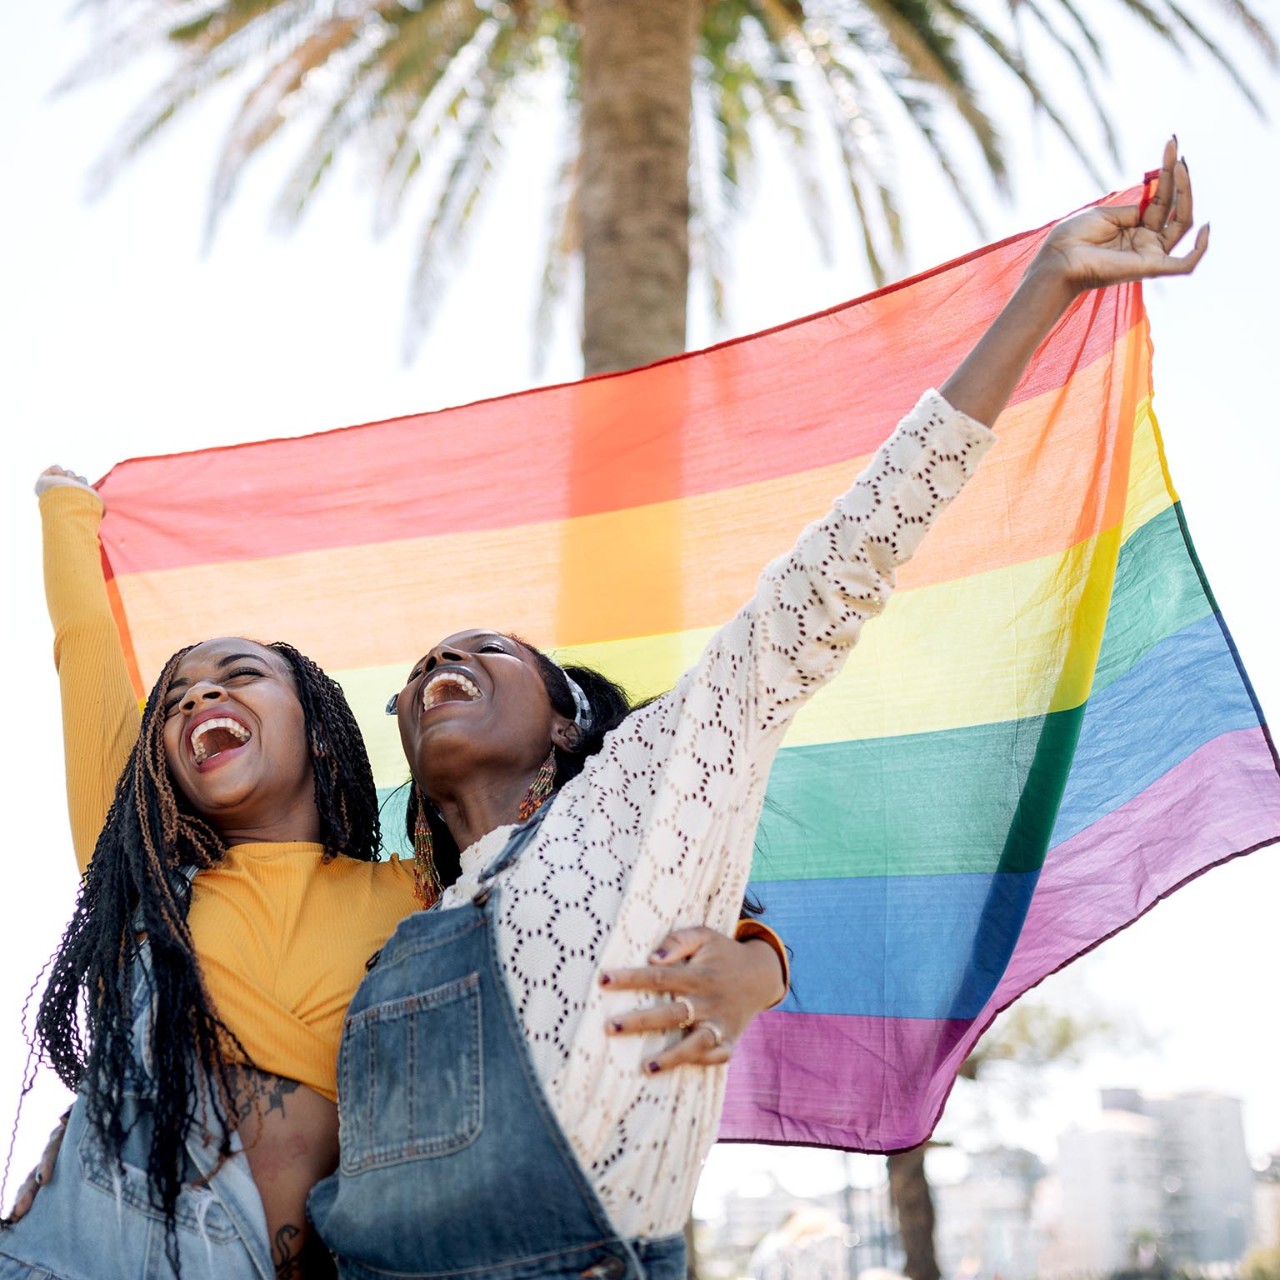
[909,1190]
[637,78]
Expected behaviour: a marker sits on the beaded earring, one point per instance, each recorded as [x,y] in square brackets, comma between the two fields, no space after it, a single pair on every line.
[539,788]
[426,879]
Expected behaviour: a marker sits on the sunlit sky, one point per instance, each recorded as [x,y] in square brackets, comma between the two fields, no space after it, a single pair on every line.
[120,338]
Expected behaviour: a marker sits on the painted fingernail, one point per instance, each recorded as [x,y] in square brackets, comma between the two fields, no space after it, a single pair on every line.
[653,1067]
[615,1025]
[660,954]
[605,979]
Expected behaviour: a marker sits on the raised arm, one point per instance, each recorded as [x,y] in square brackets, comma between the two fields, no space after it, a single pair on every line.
[707,744]
[1099,247]
[811,604]
[100,715]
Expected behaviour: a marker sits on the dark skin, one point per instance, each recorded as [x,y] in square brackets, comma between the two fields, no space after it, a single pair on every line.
[256,789]
[254,783]
[474,741]
[479,785]
[476,764]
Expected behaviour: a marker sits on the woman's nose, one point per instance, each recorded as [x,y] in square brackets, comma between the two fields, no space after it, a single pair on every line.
[201,694]
[443,653]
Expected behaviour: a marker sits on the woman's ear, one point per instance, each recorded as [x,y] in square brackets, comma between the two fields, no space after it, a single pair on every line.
[566,735]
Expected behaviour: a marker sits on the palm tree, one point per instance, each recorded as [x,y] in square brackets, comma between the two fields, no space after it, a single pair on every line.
[661,99]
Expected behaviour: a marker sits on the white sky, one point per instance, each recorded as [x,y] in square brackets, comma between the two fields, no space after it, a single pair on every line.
[118,339]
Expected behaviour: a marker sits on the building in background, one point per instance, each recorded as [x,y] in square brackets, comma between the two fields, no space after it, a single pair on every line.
[1205,1176]
[768,1232]
[1266,1205]
[812,1244]
[1152,1184]
[986,1224]
[1109,1182]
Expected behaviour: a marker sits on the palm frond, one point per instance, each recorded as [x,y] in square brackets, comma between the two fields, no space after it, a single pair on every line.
[1039,100]
[1244,16]
[264,108]
[408,98]
[930,54]
[467,183]
[1083,72]
[1214,50]
[708,248]
[228,51]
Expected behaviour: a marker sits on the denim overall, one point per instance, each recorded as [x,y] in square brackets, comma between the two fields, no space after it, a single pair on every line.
[93,1221]
[453,1164]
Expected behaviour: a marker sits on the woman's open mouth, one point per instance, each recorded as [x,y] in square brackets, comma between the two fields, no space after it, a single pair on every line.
[449,686]
[212,737]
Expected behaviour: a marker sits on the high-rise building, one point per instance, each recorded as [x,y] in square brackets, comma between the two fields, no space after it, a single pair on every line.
[1266,1205]
[985,1223]
[1205,1178]
[1110,1193]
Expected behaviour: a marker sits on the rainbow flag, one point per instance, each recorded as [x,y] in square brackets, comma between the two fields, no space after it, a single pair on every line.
[1048,730]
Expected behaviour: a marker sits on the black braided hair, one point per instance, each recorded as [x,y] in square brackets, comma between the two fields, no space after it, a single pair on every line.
[135,889]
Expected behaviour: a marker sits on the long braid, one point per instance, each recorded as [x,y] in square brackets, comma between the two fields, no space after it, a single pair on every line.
[135,889]
[346,797]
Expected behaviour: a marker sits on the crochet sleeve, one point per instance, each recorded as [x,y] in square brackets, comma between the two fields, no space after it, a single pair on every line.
[658,831]
[683,779]
[810,605]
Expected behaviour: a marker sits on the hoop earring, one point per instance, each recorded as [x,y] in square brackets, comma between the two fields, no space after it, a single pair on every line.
[539,788]
[426,879]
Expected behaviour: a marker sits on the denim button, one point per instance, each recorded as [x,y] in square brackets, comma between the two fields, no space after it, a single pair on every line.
[608,1268]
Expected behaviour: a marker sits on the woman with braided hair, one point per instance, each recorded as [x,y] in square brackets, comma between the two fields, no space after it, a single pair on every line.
[228,910]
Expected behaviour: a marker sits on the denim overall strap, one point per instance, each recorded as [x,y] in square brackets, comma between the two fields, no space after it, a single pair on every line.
[453,1165]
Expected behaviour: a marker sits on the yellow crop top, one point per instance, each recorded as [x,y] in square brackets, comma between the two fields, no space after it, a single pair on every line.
[282,936]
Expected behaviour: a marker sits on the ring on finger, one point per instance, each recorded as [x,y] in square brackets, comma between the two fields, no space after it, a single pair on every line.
[717,1036]
[687,1005]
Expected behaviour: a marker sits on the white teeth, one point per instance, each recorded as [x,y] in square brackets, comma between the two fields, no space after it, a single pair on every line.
[440,688]
[233,727]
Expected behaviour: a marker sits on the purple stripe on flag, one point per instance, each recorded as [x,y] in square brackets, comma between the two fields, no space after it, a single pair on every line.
[1219,802]
[861,1079]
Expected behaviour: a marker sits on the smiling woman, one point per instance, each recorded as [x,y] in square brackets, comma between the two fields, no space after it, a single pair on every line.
[229,908]
[235,741]
[559,1151]
[227,912]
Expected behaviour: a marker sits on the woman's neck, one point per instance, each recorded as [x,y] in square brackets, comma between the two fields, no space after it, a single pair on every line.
[299,825]
[473,810]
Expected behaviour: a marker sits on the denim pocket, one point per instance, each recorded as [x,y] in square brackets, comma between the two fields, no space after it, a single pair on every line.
[409,1077]
[198,1209]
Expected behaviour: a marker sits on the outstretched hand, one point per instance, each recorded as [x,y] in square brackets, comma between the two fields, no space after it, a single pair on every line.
[1117,244]
[1101,246]
[55,477]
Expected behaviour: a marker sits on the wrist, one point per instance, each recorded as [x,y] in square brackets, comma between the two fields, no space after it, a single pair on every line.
[1050,279]
[772,968]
